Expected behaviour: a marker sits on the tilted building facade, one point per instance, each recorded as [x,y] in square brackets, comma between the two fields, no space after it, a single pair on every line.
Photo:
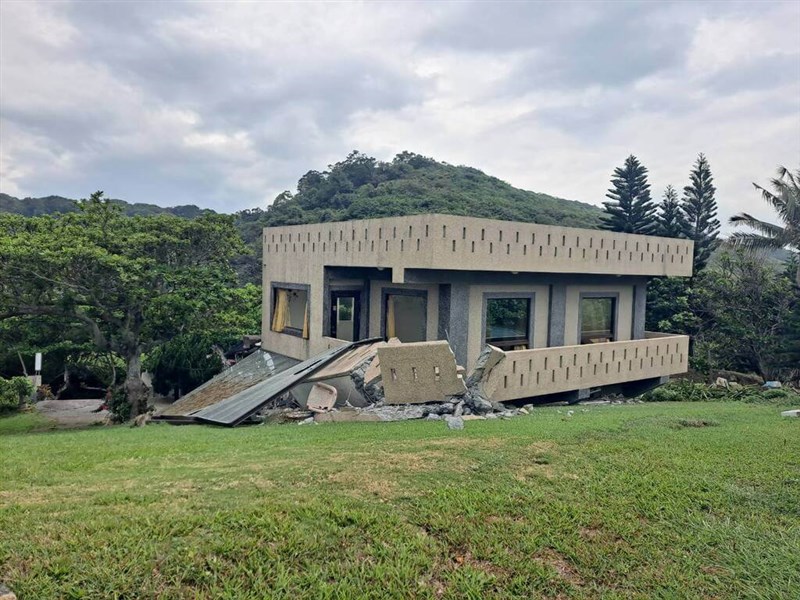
[566,304]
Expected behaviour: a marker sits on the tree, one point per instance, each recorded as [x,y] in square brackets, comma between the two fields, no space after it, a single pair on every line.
[743,306]
[785,199]
[630,209]
[700,210]
[671,222]
[131,282]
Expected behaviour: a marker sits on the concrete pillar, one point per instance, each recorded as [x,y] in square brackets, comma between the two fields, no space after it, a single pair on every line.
[557,314]
[454,319]
[639,309]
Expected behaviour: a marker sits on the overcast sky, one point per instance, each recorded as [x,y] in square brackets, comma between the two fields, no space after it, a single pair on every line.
[226,104]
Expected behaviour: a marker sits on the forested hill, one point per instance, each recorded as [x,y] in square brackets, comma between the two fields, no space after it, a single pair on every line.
[361,187]
[31,207]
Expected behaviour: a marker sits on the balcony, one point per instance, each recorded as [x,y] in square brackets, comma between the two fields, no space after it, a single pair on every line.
[465,243]
[542,371]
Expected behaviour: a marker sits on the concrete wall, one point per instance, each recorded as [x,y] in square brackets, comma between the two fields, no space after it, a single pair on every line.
[530,373]
[467,244]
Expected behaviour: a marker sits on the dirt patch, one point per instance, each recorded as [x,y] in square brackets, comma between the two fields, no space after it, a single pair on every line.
[379,487]
[562,566]
[683,423]
[72,414]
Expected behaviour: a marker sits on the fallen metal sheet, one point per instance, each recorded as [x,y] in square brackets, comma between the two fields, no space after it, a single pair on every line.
[419,372]
[237,408]
[248,372]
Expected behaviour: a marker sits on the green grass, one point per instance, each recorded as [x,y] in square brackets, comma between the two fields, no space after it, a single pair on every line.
[620,501]
[24,423]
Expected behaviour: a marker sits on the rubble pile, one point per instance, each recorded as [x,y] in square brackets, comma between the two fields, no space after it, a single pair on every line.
[369,380]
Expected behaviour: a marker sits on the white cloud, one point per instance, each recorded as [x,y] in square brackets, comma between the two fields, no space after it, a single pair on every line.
[227,104]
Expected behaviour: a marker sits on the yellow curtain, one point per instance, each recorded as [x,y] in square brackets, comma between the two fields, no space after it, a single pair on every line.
[281,310]
[305,322]
[390,331]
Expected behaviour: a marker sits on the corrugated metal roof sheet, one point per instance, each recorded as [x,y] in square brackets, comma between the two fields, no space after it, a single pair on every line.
[251,370]
[242,405]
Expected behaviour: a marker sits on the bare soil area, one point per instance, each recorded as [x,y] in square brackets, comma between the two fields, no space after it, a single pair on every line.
[72,413]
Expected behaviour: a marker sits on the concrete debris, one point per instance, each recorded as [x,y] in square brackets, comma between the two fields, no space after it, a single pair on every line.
[454,422]
[419,372]
[370,380]
[6,593]
[791,413]
[773,385]
[322,398]
[346,415]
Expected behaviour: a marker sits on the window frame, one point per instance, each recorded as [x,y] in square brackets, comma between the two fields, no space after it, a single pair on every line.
[282,285]
[529,296]
[614,297]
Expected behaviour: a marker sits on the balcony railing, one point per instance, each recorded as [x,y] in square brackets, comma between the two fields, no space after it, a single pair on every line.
[541,371]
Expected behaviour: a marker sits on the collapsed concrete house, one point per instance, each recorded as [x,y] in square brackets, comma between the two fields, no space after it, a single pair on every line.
[563,308]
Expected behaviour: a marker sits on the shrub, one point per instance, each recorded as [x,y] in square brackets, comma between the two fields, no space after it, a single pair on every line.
[14,392]
[689,391]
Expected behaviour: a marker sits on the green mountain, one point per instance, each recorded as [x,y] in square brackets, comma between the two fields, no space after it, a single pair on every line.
[361,187]
[31,207]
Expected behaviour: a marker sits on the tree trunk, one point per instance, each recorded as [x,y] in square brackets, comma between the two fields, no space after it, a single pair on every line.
[135,388]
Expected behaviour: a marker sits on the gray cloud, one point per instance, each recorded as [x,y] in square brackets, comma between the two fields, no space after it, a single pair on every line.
[226,104]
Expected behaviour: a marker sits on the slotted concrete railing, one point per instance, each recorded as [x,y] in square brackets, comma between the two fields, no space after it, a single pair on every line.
[526,373]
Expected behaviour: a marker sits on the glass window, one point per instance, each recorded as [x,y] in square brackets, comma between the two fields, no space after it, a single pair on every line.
[508,323]
[290,311]
[597,320]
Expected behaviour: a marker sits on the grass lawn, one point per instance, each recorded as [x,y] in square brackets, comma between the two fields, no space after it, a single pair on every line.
[619,501]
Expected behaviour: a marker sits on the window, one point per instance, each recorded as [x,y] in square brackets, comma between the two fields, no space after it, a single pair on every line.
[290,311]
[597,320]
[508,323]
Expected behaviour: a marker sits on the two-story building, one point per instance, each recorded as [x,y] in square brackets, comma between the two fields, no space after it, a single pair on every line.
[566,304]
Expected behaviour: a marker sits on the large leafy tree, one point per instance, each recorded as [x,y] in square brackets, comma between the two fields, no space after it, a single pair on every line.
[130,282]
[785,199]
[700,209]
[630,209]
[670,219]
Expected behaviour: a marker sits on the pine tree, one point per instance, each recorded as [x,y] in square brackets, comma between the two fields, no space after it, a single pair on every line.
[671,222]
[700,209]
[630,210]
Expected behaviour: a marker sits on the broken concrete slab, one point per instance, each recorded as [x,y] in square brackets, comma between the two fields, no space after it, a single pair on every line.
[479,383]
[419,372]
[344,364]
[322,398]
[346,415]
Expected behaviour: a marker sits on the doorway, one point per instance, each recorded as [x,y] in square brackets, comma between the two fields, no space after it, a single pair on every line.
[346,315]
[405,316]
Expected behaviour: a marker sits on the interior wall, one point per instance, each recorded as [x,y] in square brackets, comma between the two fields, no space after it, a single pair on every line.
[376,306]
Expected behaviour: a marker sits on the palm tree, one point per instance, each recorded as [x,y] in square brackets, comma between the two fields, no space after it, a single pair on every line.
[785,199]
